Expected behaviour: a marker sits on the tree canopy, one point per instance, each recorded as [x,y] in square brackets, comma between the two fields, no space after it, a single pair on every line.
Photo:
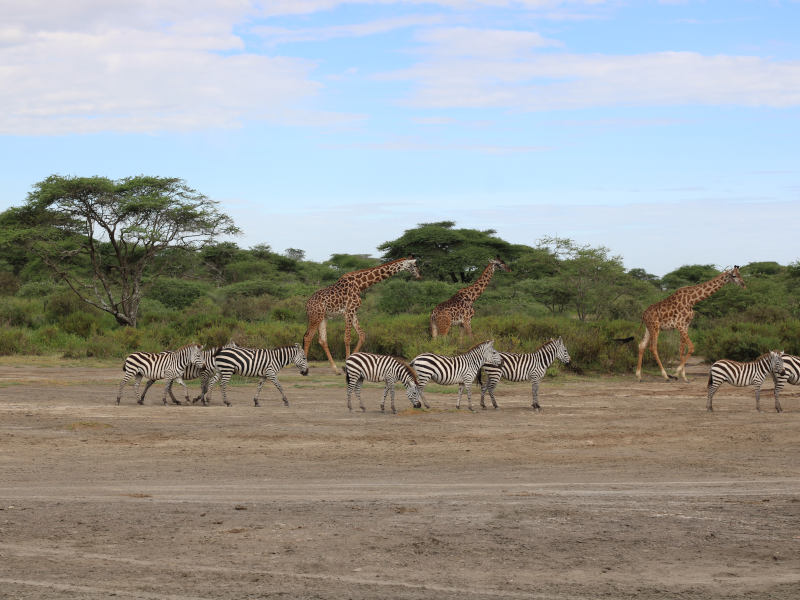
[446,253]
[103,236]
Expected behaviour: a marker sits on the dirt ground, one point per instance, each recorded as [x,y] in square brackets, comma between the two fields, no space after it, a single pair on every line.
[615,490]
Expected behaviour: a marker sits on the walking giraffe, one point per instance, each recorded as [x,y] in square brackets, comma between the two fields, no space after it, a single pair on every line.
[675,312]
[344,297]
[458,310]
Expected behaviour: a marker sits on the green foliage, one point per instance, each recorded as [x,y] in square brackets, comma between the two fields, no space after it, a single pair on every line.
[177,293]
[448,254]
[688,275]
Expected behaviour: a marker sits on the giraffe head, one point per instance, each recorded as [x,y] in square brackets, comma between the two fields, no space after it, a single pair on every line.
[497,263]
[410,264]
[734,276]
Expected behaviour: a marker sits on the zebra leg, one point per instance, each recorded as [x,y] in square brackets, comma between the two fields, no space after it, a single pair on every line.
[712,389]
[168,390]
[421,388]
[273,377]
[776,391]
[386,393]
[468,385]
[122,384]
[185,391]
[350,387]
[535,396]
[460,389]
[137,381]
[147,387]
[758,397]
[359,385]
[223,384]
[258,391]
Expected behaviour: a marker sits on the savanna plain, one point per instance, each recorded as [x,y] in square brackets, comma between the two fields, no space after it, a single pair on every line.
[617,489]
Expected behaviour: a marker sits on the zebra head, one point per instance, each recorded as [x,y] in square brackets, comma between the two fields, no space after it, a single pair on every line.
[734,276]
[776,362]
[196,355]
[490,355]
[300,359]
[561,350]
[412,391]
[410,265]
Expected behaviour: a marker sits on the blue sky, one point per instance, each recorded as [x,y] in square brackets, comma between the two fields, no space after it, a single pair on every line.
[666,130]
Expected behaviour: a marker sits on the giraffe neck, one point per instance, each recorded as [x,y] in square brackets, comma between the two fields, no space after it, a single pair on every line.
[361,280]
[472,292]
[701,291]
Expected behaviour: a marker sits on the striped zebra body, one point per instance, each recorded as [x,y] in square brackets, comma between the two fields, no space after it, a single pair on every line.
[746,373]
[206,372]
[363,366]
[264,363]
[461,369]
[167,365]
[524,367]
[791,365]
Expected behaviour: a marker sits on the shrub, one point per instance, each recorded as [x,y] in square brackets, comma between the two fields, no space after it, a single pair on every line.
[14,340]
[177,293]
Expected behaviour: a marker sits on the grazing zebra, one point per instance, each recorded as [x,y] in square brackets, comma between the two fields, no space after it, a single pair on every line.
[379,367]
[746,373]
[524,367]
[461,369]
[257,362]
[791,365]
[167,365]
[193,371]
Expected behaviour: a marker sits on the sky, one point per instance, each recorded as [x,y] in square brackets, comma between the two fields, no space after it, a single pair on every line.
[667,131]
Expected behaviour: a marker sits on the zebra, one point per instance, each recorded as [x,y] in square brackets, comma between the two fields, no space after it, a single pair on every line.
[746,373]
[461,369]
[192,371]
[362,366]
[791,375]
[258,362]
[167,365]
[524,367]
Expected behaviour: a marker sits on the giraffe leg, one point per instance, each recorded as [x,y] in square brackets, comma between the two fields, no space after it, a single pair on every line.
[323,341]
[313,327]
[347,333]
[654,350]
[434,328]
[361,335]
[642,347]
[686,350]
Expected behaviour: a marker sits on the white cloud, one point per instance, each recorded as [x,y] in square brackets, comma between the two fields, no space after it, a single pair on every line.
[553,81]
[484,43]
[281,35]
[94,65]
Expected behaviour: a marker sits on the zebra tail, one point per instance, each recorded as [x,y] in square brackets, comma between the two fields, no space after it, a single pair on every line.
[709,378]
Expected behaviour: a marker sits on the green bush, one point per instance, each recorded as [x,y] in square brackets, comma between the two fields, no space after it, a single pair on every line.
[15,340]
[177,293]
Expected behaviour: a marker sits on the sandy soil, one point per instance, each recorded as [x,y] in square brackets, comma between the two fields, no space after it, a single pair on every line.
[615,490]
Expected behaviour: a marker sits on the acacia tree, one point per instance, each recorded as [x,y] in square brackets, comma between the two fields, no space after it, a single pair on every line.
[446,253]
[101,236]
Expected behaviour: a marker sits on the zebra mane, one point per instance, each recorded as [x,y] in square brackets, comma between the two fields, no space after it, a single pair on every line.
[408,368]
[476,345]
[550,342]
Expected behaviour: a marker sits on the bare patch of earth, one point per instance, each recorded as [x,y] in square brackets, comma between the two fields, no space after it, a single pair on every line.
[617,490]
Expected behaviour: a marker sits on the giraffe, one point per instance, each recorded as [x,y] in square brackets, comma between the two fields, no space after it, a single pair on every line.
[344,297]
[458,309]
[675,312]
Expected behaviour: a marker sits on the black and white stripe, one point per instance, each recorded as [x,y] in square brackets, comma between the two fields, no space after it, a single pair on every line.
[264,363]
[523,367]
[461,369]
[791,365]
[363,366]
[167,365]
[746,373]
[206,372]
